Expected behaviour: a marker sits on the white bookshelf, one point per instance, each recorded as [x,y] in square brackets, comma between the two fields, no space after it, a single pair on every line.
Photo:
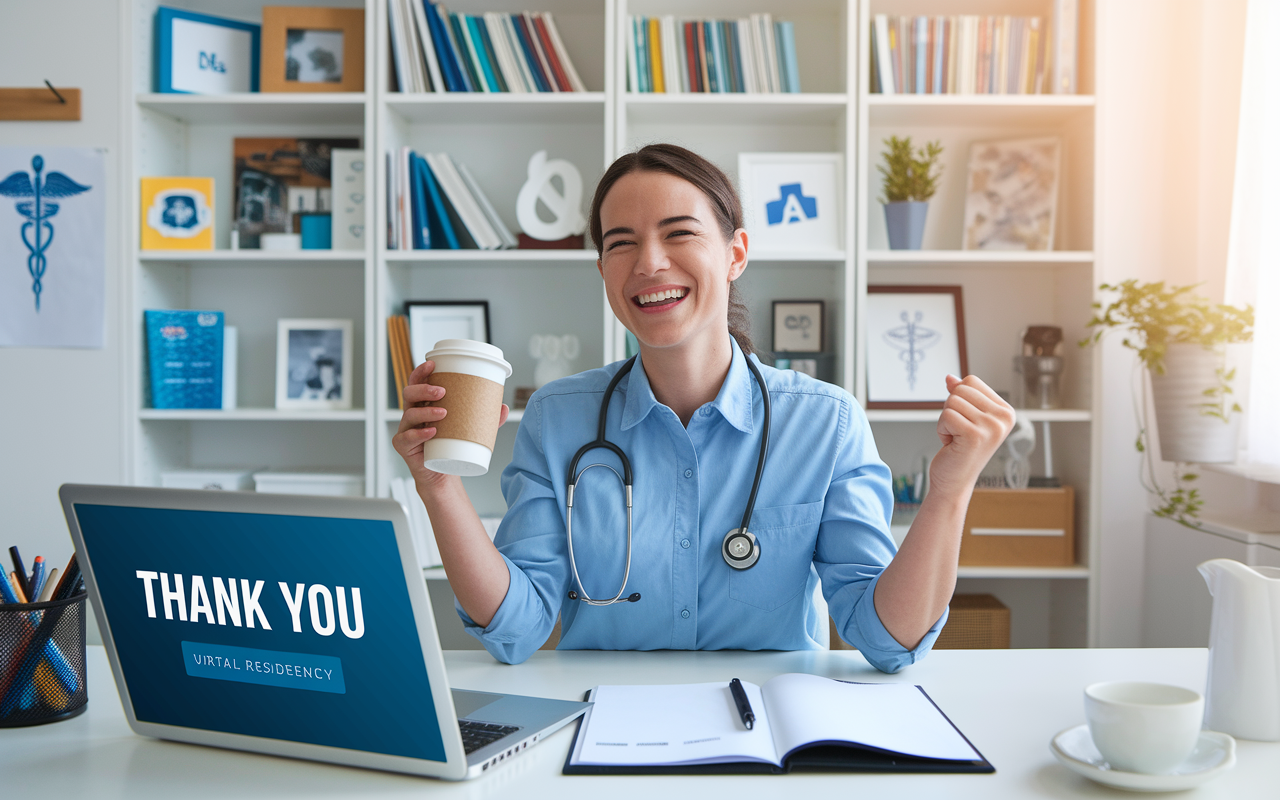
[556,291]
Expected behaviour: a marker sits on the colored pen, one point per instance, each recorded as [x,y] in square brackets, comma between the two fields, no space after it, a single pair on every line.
[20,569]
[7,594]
[17,586]
[743,704]
[38,577]
[67,584]
[50,583]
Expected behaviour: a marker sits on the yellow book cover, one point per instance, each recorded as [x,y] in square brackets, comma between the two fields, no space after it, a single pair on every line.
[655,56]
[177,213]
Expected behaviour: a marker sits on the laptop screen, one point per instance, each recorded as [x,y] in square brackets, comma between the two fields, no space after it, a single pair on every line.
[286,627]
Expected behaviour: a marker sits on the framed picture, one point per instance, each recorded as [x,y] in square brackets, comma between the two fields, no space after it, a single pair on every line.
[798,326]
[200,54]
[915,338]
[270,174]
[312,49]
[313,363]
[433,320]
[793,201]
[1011,197]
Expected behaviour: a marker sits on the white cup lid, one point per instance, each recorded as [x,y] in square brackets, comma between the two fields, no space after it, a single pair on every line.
[472,349]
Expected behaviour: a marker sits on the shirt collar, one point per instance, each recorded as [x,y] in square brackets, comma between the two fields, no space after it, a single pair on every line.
[734,402]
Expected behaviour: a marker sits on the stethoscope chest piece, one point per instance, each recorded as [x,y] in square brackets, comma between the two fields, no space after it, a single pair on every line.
[740,548]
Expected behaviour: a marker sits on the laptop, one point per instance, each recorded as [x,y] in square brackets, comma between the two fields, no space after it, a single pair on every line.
[295,626]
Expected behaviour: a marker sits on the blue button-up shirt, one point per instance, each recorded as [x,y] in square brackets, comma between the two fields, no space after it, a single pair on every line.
[822,514]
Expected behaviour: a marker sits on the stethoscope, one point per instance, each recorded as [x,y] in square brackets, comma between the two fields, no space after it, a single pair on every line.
[739,548]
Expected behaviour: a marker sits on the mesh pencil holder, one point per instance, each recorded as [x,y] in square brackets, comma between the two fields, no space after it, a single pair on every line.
[42,661]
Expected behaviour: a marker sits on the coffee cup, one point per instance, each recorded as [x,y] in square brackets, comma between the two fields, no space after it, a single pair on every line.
[472,374]
[1143,727]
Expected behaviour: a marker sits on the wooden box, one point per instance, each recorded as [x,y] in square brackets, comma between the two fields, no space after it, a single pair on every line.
[976,622]
[1020,528]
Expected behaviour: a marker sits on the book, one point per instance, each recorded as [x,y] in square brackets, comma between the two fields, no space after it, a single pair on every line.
[184,356]
[426,38]
[508,238]
[177,214]
[398,353]
[450,70]
[802,722]
[443,236]
[1065,21]
[466,207]
[562,54]
[787,45]
[230,364]
[399,53]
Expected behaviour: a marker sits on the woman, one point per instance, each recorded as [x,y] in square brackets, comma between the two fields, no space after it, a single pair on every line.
[667,226]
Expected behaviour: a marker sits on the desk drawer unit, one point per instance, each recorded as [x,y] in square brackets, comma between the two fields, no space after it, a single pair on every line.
[1020,528]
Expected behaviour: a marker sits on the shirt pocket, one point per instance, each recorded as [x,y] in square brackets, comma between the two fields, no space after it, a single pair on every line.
[787,536]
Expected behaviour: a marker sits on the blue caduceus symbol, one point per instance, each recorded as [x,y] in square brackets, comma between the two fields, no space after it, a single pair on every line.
[911,339]
[37,232]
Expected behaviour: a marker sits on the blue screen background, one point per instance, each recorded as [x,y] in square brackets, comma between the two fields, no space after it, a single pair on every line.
[387,707]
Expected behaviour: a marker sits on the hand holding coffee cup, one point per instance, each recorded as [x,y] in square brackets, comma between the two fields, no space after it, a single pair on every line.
[1143,727]
[453,409]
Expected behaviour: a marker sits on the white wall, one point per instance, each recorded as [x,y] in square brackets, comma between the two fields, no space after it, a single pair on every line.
[1168,94]
[60,412]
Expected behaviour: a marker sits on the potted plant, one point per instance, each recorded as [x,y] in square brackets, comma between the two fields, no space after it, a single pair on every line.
[1181,339]
[910,179]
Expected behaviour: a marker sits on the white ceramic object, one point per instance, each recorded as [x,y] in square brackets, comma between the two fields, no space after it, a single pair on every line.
[467,357]
[1214,754]
[555,355]
[1143,727]
[281,241]
[1243,690]
[227,480]
[1187,434]
[565,205]
[330,484]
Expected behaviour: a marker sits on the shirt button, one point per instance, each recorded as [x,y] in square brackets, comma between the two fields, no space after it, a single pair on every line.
[684,543]
[685,613]
[688,473]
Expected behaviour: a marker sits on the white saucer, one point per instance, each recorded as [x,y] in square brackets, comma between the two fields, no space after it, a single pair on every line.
[1215,753]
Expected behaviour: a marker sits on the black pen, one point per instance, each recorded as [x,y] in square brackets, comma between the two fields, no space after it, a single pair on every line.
[744,705]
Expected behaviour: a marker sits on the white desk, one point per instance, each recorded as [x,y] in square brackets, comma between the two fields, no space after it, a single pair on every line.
[1009,703]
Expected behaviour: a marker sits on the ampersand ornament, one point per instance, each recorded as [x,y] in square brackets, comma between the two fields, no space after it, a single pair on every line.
[566,206]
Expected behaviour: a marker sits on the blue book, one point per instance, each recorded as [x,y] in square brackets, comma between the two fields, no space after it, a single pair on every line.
[787,44]
[448,58]
[735,56]
[530,54]
[418,206]
[184,353]
[939,52]
[488,58]
[442,234]
[713,70]
[474,80]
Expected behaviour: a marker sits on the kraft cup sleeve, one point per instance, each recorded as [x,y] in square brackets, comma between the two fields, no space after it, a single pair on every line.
[473,404]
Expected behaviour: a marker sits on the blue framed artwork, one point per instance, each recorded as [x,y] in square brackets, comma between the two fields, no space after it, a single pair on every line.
[200,54]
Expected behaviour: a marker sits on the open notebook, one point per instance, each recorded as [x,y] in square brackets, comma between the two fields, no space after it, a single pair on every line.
[802,722]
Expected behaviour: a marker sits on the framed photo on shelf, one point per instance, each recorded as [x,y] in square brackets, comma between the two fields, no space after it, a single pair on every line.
[312,49]
[433,320]
[798,326]
[201,54]
[313,364]
[1011,195]
[793,201]
[915,338]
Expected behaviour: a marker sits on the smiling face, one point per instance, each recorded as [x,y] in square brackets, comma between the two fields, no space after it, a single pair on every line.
[666,263]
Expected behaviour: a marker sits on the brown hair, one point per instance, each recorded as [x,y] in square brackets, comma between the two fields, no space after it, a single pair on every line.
[685,164]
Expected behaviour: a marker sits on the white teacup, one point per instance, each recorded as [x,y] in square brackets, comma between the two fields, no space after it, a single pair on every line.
[1143,727]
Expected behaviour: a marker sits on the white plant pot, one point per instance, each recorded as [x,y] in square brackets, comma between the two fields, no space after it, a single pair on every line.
[1186,433]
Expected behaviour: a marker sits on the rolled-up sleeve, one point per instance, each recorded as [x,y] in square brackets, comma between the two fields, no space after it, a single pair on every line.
[854,546]
[531,540]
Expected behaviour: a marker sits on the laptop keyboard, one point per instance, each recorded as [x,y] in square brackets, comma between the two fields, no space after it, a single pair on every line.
[478,734]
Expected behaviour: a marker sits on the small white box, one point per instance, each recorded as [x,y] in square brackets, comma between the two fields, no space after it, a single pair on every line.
[230,480]
[333,484]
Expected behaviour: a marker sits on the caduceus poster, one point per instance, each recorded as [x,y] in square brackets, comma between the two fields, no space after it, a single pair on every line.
[52,246]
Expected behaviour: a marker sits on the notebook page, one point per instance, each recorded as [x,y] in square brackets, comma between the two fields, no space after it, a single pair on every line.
[890,716]
[684,724]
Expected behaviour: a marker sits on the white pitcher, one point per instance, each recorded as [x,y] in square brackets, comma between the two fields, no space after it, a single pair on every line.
[1243,693]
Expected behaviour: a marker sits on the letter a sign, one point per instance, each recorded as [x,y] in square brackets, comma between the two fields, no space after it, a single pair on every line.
[793,201]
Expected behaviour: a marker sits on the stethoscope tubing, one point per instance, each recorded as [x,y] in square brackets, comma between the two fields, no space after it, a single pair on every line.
[572,477]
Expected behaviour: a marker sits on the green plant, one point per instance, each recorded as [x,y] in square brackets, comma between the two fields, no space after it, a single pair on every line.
[1155,316]
[908,174]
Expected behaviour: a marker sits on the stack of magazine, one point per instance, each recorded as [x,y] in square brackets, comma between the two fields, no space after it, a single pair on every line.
[753,54]
[435,51]
[434,204]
